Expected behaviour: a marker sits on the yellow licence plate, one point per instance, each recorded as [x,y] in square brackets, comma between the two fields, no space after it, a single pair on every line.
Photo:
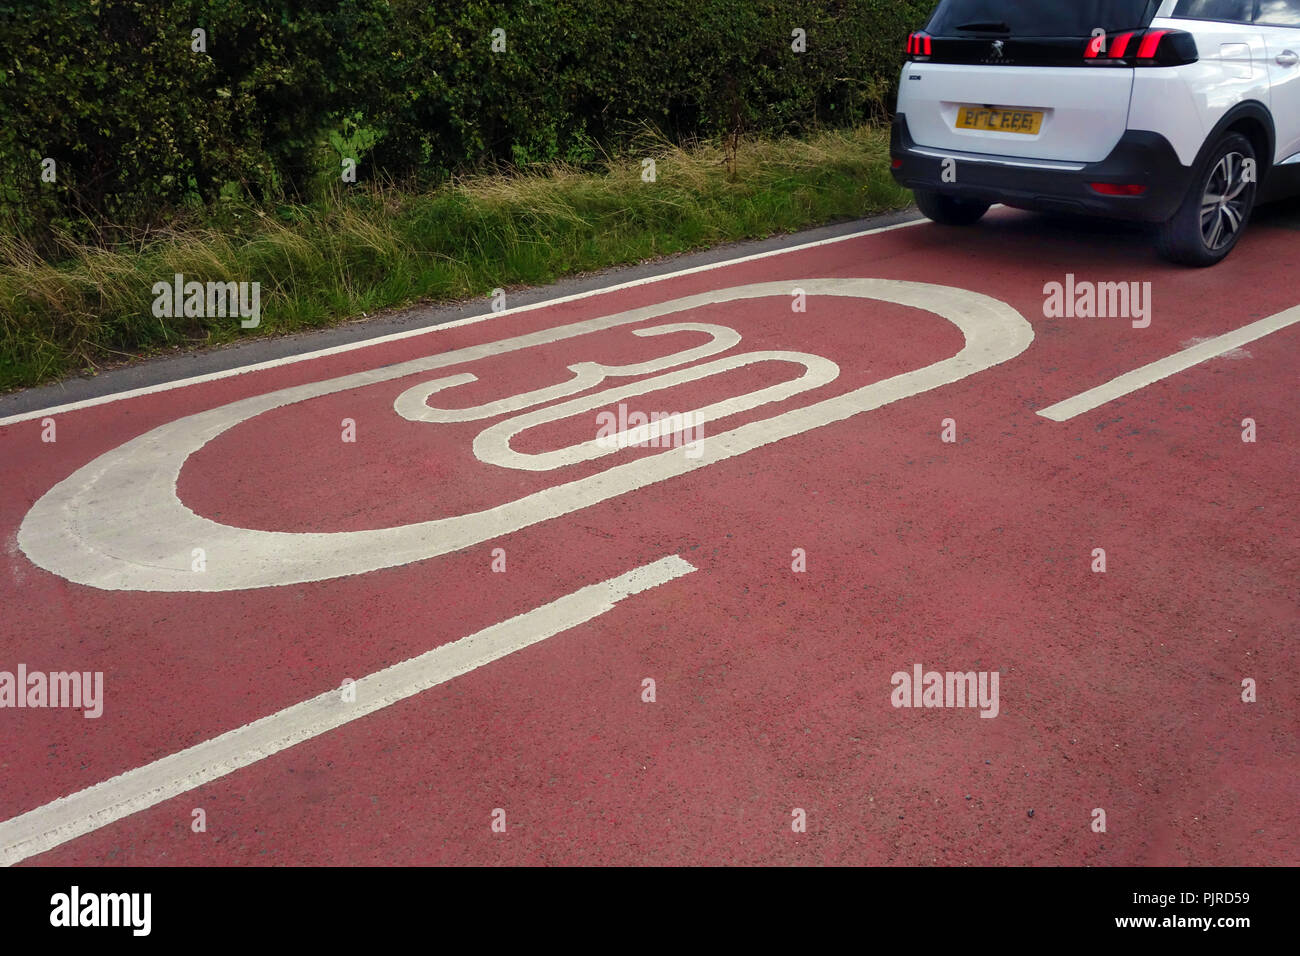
[1001,121]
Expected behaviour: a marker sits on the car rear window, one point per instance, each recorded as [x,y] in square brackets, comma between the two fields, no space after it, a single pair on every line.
[1231,11]
[1284,13]
[1040,18]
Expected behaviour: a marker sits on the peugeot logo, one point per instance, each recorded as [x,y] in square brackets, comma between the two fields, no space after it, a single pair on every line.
[997,49]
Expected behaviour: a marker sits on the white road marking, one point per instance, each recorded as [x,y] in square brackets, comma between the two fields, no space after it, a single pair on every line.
[493,443]
[1170,365]
[80,813]
[411,333]
[117,523]
[1233,354]
[413,405]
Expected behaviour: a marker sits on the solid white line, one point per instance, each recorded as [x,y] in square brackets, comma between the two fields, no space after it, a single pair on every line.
[410,333]
[72,816]
[1170,365]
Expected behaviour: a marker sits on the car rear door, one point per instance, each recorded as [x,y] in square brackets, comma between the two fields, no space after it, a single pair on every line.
[1279,20]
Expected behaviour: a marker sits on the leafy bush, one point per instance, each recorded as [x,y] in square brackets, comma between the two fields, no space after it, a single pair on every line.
[140,125]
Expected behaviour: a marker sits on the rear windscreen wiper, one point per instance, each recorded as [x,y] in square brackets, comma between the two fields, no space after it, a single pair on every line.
[982,26]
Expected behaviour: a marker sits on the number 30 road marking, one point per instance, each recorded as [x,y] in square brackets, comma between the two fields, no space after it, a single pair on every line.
[117,523]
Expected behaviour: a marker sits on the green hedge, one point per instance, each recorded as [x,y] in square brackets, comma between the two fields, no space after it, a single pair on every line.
[140,125]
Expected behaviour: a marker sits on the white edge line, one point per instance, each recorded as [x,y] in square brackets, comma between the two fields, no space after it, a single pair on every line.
[1169,365]
[410,333]
[67,818]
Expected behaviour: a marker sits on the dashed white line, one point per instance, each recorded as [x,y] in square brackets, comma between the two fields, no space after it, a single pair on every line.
[80,813]
[1170,365]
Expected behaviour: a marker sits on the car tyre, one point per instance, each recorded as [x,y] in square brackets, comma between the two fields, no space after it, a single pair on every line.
[949,211]
[1217,208]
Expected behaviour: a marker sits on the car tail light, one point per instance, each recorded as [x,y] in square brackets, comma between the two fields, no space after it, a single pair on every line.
[1143,48]
[919,44]
[1150,43]
[1119,189]
[1120,45]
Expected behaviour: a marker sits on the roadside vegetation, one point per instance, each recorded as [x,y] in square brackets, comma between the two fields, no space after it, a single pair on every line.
[369,247]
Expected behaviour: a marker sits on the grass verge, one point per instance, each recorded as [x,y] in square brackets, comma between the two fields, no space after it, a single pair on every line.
[367,248]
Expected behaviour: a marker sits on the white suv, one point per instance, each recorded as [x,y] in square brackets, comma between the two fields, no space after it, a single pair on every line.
[1181,113]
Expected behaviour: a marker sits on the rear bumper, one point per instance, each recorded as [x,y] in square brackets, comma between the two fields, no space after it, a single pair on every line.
[1140,157]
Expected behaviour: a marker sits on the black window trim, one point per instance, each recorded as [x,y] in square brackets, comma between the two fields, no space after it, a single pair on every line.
[1235,23]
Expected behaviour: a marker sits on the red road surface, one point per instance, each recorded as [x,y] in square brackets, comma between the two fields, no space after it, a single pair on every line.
[1120,691]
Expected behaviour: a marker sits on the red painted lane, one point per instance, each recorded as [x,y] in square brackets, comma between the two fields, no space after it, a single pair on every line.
[1119,691]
